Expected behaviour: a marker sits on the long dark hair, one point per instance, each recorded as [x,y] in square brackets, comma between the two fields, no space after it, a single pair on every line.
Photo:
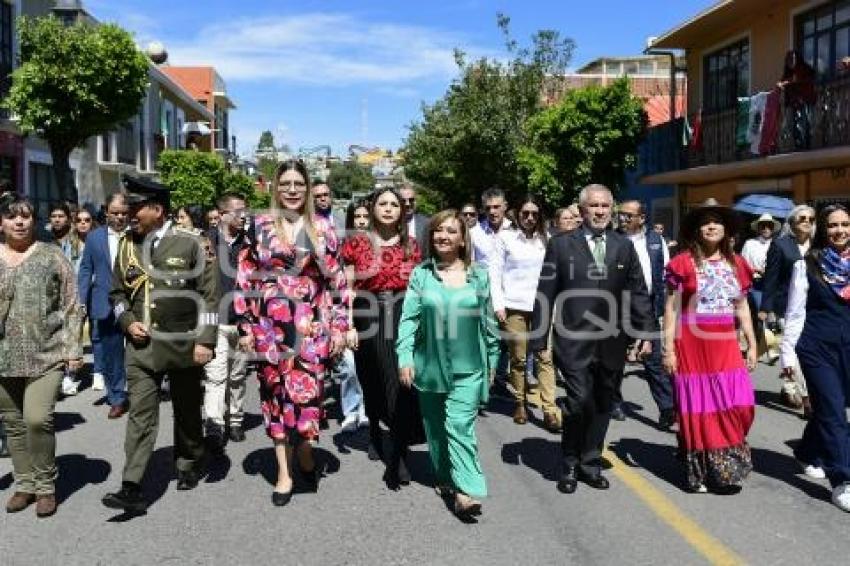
[401,224]
[352,208]
[196,214]
[540,225]
[820,241]
[693,243]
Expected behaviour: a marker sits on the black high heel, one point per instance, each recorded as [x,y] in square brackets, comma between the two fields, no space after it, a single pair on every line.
[281,499]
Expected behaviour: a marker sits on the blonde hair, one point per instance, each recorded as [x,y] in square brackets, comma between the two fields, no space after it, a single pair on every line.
[307,212]
[441,217]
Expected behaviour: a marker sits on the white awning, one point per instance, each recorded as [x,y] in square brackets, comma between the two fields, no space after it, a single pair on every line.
[201,128]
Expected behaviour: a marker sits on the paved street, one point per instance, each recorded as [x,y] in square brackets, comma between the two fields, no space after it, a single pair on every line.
[781,517]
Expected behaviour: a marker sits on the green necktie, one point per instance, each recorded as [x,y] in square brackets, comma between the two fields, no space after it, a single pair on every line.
[599,250]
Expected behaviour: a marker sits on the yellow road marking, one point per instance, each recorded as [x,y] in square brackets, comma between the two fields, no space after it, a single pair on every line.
[712,549]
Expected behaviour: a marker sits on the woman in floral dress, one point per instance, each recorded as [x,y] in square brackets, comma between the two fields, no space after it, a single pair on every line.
[293,314]
[707,294]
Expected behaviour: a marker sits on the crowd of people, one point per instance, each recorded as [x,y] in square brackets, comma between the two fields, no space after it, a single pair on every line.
[420,320]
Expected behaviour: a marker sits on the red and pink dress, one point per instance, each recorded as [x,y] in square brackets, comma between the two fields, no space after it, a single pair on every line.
[292,298]
[714,394]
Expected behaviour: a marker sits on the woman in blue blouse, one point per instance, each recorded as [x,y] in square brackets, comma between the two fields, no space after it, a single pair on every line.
[448,347]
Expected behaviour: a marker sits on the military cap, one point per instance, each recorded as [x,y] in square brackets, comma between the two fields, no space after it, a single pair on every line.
[144,191]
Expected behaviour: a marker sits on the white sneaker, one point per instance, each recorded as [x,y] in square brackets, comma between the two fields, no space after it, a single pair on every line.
[814,472]
[841,497]
[69,386]
[362,420]
[349,423]
[97,382]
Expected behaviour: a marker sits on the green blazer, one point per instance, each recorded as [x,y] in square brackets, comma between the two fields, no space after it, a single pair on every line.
[418,345]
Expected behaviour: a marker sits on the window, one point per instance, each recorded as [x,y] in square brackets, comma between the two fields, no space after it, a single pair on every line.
[614,69]
[823,37]
[726,76]
[6,55]
[647,67]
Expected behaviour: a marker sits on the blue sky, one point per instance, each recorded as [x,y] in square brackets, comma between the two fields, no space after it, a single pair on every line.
[309,70]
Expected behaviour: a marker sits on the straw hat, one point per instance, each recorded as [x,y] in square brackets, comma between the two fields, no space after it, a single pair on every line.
[765,218]
[693,219]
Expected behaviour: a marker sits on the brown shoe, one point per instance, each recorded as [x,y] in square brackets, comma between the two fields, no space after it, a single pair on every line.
[19,502]
[45,505]
[551,423]
[519,415]
[117,411]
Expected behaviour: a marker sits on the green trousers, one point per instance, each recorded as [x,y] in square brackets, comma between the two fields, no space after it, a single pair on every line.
[449,420]
[26,405]
[143,419]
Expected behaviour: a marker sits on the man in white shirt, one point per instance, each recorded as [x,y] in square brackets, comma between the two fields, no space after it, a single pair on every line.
[653,255]
[754,253]
[484,234]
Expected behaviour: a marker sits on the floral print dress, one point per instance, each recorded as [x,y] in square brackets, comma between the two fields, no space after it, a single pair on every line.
[292,298]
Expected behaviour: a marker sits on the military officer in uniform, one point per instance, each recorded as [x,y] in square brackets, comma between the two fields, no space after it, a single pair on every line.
[165,296]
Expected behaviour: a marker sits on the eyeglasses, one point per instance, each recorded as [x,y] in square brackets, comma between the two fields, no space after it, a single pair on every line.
[469,214]
[626,215]
[805,219]
[292,186]
[408,200]
[529,213]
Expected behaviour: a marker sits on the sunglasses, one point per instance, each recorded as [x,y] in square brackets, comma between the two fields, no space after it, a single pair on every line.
[408,200]
[805,219]
[469,214]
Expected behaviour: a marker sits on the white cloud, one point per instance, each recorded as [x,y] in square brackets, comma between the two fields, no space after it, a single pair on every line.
[320,48]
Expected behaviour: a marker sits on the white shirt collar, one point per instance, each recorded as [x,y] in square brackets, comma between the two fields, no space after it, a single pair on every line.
[162,231]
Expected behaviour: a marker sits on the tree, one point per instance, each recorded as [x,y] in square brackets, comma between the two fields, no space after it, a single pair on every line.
[194,177]
[266,142]
[469,140]
[350,177]
[591,136]
[74,82]
[267,155]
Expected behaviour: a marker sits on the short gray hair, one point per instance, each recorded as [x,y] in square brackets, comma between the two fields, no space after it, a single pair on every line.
[788,227]
[491,193]
[584,195]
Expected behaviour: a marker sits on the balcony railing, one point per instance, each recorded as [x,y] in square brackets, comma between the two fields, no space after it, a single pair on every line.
[822,125]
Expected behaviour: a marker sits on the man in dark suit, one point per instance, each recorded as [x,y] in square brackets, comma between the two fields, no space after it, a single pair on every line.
[592,278]
[95,281]
[165,296]
[417,224]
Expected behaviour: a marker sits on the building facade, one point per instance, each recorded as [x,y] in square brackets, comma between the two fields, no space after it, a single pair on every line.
[761,125]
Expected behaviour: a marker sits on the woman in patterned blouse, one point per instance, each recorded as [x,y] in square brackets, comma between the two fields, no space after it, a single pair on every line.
[40,322]
[292,305]
[378,265]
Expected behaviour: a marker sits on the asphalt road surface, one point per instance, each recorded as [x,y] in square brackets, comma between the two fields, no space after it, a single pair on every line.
[781,517]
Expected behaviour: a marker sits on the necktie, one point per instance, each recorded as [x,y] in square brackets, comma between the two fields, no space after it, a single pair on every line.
[599,250]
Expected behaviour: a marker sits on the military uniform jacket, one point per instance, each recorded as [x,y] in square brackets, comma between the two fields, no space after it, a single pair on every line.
[172,287]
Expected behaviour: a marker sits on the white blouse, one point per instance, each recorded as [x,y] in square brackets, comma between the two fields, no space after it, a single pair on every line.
[515,270]
[795,315]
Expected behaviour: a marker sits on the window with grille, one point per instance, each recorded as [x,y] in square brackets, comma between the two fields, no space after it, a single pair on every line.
[726,76]
[823,37]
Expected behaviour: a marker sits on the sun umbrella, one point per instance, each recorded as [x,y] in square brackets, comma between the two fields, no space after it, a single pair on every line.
[779,207]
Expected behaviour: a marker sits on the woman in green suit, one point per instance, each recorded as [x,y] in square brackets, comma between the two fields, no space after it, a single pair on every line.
[448,347]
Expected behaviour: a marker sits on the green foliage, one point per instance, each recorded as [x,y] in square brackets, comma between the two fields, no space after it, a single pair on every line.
[74,82]
[239,183]
[266,142]
[266,167]
[470,139]
[591,136]
[348,178]
[194,177]
[259,200]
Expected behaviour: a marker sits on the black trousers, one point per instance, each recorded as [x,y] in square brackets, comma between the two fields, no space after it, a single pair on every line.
[587,413]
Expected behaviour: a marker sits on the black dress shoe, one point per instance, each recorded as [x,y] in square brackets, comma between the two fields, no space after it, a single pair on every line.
[129,499]
[236,433]
[596,482]
[666,420]
[280,499]
[568,482]
[617,413]
[187,480]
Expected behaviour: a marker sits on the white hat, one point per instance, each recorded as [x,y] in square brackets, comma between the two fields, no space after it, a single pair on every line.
[766,218]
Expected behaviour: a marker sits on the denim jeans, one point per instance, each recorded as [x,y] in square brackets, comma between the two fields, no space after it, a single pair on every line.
[351,395]
[108,352]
